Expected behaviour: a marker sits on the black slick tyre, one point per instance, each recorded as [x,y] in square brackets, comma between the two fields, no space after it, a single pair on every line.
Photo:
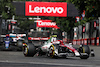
[29,50]
[84,49]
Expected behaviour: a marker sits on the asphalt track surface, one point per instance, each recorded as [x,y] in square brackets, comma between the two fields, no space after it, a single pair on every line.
[17,59]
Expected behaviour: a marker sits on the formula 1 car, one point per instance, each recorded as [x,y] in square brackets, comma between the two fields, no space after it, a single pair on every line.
[11,42]
[57,48]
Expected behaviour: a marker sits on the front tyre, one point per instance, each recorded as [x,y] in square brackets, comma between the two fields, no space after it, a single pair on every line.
[29,50]
[84,52]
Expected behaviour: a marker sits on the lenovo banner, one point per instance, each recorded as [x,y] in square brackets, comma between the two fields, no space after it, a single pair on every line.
[46,23]
[46,9]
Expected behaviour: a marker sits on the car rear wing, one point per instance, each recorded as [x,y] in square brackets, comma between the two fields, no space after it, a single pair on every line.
[38,38]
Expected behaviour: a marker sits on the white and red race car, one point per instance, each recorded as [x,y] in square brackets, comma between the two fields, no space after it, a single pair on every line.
[57,48]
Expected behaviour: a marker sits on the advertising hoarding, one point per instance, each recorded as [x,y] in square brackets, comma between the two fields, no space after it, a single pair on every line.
[46,23]
[46,9]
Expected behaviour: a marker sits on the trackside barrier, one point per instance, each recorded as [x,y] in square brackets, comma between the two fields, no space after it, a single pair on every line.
[92,41]
[97,41]
[89,41]
[79,42]
[82,41]
[85,41]
[74,42]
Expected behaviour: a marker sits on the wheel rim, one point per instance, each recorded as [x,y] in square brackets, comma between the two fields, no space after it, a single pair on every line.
[25,50]
[51,51]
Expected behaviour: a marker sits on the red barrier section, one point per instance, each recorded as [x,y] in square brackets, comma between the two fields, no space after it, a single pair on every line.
[92,41]
[82,42]
[79,42]
[85,41]
[74,42]
[97,41]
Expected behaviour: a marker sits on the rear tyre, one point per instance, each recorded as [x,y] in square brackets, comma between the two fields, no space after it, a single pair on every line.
[84,49]
[29,50]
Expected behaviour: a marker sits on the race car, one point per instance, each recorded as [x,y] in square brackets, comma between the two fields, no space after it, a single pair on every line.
[66,50]
[57,48]
[34,41]
[11,41]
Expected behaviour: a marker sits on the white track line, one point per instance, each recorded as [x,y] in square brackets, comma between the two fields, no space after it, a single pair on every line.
[48,63]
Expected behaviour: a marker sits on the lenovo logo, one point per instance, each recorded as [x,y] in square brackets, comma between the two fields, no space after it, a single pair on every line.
[45,9]
[40,23]
[49,9]
[46,23]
